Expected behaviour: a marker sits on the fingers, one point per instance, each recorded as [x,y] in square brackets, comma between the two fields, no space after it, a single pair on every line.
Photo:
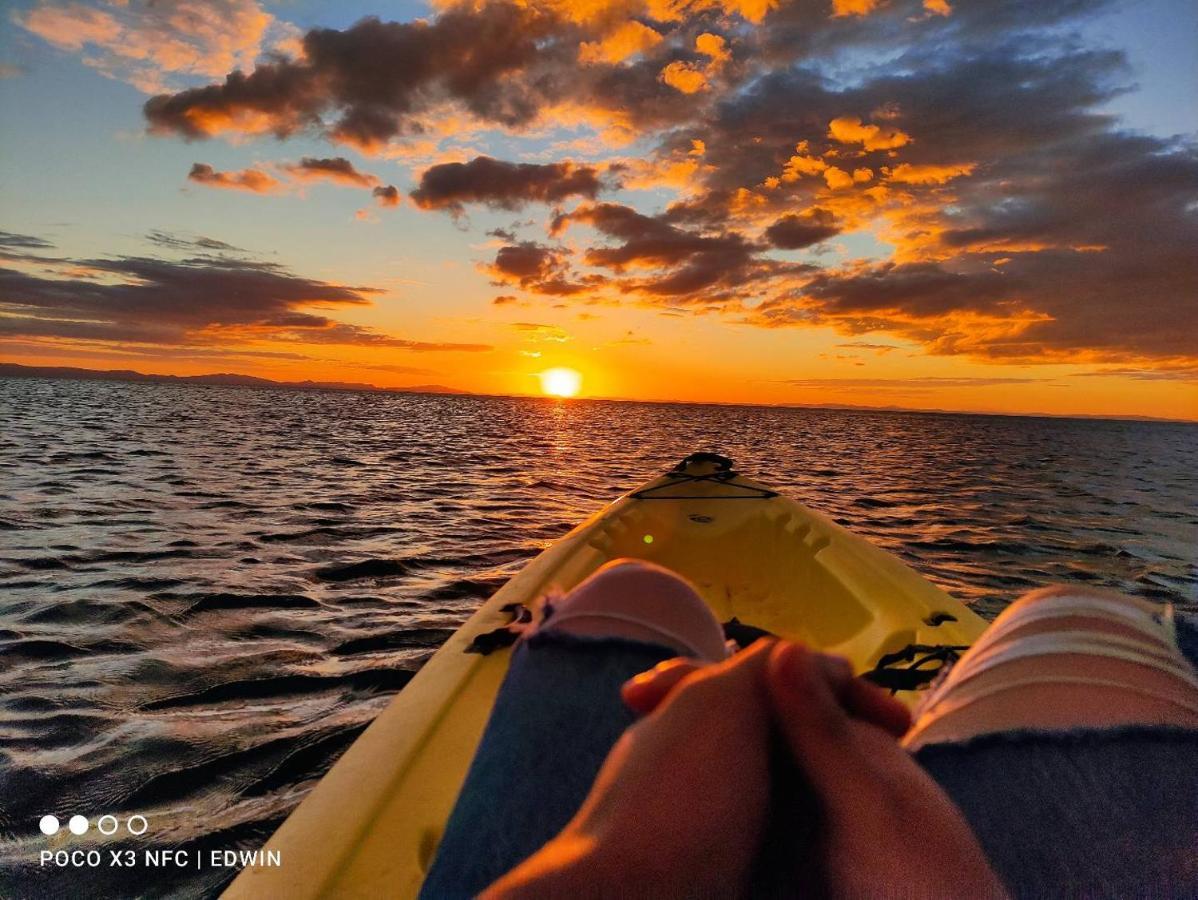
[862,700]
[870,703]
[808,712]
[644,693]
[647,691]
[859,698]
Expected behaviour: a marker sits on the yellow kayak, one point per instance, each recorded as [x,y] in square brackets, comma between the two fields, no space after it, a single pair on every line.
[371,826]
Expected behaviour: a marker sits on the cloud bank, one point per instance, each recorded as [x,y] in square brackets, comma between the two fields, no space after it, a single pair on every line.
[208,298]
[740,154]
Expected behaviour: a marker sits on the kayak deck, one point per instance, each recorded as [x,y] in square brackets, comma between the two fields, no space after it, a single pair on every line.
[372,824]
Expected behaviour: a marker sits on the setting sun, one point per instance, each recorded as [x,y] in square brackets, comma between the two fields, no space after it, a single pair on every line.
[560,382]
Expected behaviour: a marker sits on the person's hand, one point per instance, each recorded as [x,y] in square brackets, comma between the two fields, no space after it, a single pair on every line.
[678,807]
[886,827]
[682,804]
[878,811]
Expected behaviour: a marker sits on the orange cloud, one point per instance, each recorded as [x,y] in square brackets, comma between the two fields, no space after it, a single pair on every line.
[690,78]
[281,177]
[145,44]
[713,46]
[837,179]
[71,27]
[676,10]
[802,164]
[938,7]
[680,169]
[753,10]
[627,40]
[908,173]
[234,121]
[850,130]
[684,77]
[253,180]
[843,8]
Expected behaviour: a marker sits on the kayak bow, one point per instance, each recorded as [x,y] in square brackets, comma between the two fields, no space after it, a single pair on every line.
[371,826]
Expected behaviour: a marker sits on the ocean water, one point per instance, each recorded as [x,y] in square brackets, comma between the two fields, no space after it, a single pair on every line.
[206,593]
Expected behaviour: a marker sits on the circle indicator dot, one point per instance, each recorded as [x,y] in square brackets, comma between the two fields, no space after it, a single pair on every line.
[48,825]
[78,824]
[142,820]
[648,539]
[107,824]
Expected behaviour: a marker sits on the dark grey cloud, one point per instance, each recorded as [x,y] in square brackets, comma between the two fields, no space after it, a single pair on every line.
[196,300]
[112,350]
[9,239]
[867,345]
[683,264]
[794,232]
[161,300]
[337,169]
[189,244]
[375,79]
[540,269]
[503,185]
[921,289]
[386,195]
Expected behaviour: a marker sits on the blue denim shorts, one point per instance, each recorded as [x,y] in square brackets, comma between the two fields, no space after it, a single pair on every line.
[1086,813]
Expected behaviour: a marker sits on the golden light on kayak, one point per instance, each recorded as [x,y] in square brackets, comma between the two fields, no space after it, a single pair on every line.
[560,382]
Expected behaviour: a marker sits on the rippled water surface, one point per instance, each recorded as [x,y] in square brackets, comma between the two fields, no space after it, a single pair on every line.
[207,593]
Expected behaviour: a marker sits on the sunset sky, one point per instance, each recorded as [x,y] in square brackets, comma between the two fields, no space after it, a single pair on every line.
[984,205]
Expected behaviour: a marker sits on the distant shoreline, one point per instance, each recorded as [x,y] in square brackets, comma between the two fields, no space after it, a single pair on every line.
[230,379]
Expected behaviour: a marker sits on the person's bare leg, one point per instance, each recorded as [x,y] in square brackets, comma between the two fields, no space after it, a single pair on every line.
[1067,689]
[641,601]
[558,713]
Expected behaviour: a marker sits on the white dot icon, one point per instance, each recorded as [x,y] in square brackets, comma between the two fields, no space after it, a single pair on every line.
[78,824]
[48,825]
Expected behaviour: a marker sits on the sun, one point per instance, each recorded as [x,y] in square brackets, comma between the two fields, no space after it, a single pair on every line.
[560,382]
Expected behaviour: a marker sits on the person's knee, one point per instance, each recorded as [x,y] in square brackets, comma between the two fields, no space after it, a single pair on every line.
[636,575]
[628,566]
[1054,592]
[640,599]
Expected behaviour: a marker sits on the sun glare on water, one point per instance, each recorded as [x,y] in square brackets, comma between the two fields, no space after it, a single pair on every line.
[560,382]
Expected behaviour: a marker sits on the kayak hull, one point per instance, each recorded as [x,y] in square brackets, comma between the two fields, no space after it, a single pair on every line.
[372,824]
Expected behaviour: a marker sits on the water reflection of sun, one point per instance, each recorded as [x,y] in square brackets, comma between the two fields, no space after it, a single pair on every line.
[560,382]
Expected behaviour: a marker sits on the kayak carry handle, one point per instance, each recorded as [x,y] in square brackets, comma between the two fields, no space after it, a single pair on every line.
[708,467]
[722,463]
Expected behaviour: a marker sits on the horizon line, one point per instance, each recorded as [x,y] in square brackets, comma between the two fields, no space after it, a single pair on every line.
[20,370]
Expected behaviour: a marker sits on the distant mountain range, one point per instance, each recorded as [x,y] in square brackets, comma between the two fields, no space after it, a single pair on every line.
[13,370]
